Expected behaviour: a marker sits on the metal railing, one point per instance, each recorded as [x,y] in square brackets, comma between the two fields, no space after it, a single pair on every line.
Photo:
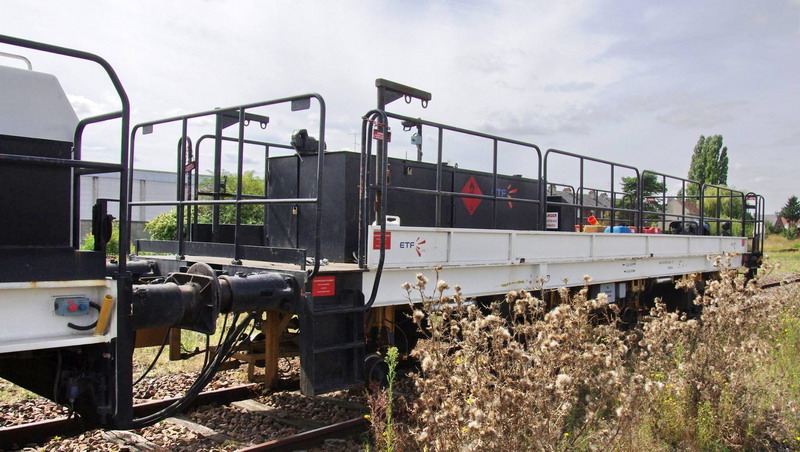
[122,392]
[81,167]
[719,197]
[239,114]
[375,123]
[656,206]
[633,211]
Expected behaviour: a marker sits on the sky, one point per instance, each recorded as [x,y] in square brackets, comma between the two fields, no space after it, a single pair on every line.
[628,81]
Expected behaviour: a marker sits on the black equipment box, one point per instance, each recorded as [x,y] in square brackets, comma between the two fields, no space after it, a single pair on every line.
[36,198]
[293,226]
[35,237]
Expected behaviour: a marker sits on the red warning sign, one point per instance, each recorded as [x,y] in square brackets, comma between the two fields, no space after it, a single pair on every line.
[378,135]
[376,240]
[323,286]
[472,188]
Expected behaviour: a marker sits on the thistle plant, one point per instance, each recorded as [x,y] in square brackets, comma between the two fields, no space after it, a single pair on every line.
[381,403]
[522,374]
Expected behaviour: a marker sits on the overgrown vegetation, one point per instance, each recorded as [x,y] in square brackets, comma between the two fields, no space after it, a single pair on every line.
[524,375]
[252,185]
[382,408]
[165,226]
[783,253]
[112,247]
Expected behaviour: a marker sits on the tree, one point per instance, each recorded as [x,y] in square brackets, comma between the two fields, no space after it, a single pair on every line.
[112,247]
[709,163]
[251,185]
[651,187]
[791,211]
[165,225]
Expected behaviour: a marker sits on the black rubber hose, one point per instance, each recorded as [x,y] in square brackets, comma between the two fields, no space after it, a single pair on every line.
[228,347]
[86,327]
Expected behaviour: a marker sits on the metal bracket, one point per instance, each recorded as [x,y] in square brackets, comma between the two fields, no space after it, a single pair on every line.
[389,92]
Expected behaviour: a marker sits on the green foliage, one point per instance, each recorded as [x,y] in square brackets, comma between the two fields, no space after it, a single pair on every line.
[726,204]
[383,423]
[709,163]
[164,226]
[791,211]
[773,229]
[790,232]
[112,248]
[391,361]
[251,185]
[652,189]
[650,185]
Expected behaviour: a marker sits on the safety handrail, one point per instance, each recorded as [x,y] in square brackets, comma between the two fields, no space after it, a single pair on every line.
[683,197]
[439,193]
[123,114]
[730,196]
[579,198]
[240,110]
[18,57]
[369,120]
[759,231]
[123,409]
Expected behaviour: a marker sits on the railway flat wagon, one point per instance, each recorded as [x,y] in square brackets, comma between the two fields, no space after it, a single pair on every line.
[310,263]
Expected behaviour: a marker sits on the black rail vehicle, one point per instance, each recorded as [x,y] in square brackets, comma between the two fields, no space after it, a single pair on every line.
[320,276]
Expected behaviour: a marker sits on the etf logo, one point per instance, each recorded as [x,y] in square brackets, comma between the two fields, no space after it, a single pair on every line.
[506,193]
[415,245]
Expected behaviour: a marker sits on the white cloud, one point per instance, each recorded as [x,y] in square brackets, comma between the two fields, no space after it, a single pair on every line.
[632,82]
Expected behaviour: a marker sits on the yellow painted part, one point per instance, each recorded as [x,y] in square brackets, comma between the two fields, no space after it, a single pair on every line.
[594,228]
[106,307]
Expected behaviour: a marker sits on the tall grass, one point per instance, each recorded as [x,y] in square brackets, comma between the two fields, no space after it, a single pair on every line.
[784,254]
[522,375]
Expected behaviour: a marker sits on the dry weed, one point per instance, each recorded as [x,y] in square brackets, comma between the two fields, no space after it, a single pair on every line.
[520,375]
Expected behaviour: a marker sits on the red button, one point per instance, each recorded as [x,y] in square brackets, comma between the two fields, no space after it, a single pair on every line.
[71,306]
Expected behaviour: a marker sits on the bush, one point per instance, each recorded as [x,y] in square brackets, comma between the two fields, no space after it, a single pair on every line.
[521,376]
[773,229]
[164,226]
[790,233]
[112,247]
[531,380]
[707,376]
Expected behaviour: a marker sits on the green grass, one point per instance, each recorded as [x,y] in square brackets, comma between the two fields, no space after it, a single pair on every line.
[785,252]
[11,393]
[190,341]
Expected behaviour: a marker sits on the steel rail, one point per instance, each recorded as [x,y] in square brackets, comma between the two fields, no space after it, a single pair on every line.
[35,432]
[780,283]
[314,437]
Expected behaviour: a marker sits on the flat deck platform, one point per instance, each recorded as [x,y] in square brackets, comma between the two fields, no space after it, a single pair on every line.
[493,262]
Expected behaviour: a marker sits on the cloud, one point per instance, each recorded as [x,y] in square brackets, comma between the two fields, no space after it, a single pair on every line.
[84,106]
[603,78]
[704,114]
[576,119]
[570,87]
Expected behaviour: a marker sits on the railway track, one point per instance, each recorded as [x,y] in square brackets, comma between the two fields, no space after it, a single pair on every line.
[793,280]
[222,419]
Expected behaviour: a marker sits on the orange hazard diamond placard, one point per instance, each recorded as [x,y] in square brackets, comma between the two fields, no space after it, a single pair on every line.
[472,188]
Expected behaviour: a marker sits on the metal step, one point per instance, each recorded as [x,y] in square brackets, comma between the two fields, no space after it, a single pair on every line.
[332,346]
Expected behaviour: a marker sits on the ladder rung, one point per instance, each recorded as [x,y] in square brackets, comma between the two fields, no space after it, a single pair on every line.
[332,311]
[334,348]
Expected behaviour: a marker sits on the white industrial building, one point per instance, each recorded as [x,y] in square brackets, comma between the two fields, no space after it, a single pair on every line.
[147,186]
